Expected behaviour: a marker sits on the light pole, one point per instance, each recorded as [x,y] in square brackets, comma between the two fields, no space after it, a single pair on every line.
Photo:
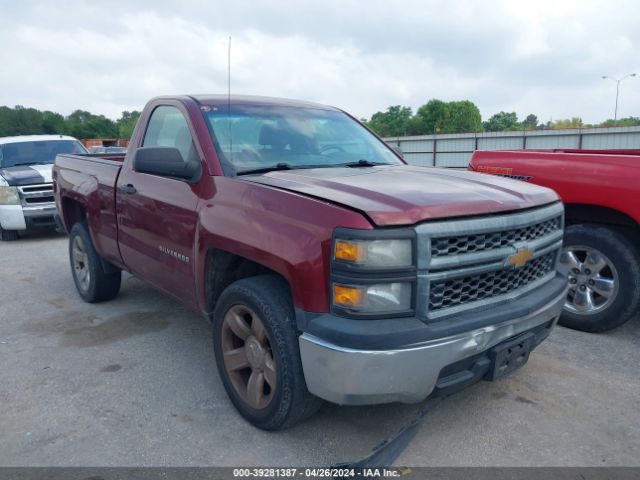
[617,80]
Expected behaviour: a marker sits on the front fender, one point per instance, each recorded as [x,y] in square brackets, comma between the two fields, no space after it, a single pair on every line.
[286,232]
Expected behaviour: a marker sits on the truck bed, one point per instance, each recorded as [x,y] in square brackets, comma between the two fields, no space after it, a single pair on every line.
[89,180]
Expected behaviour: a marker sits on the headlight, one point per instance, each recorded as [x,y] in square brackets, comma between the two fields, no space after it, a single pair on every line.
[374,253]
[377,298]
[9,196]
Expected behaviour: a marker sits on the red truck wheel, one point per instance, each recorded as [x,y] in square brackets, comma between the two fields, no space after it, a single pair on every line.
[92,283]
[257,354]
[604,278]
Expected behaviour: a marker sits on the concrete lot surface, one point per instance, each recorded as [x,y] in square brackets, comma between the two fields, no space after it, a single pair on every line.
[132,382]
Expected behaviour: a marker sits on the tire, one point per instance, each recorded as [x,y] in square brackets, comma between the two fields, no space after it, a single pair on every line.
[282,398]
[8,235]
[602,300]
[92,283]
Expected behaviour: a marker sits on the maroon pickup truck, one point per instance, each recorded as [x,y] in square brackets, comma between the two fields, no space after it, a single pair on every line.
[329,268]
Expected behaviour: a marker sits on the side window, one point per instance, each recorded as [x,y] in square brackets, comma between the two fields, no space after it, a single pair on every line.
[168,128]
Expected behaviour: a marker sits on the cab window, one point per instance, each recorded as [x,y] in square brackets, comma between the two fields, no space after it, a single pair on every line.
[168,128]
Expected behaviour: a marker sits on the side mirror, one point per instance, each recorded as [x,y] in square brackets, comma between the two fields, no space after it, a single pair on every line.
[396,149]
[164,161]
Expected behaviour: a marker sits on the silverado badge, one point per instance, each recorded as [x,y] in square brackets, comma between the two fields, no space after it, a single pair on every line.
[520,258]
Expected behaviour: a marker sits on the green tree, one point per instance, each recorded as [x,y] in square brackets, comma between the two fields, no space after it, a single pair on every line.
[430,118]
[82,124]
[502,121]
[621,122]
[575,122]
[462,116]
[393,122]
[437,116]
[76,124]
[6,121]
[126,123]
[531,122]
[53,123]
[26,121]
[102,127]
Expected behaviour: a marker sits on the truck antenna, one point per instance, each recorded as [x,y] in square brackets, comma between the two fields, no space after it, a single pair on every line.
[229,99]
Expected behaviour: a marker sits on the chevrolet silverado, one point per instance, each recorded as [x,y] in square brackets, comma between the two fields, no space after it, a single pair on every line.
[329,268]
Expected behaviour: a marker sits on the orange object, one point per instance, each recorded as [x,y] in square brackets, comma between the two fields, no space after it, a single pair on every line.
[350,251]
[348,297]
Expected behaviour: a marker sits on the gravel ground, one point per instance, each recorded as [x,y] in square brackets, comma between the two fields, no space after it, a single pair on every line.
[132,382]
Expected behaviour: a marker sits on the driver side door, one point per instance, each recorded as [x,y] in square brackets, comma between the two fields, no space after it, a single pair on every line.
[157,214]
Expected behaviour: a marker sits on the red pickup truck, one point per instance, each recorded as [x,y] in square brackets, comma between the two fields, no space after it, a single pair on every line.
[329,268]
[601,193]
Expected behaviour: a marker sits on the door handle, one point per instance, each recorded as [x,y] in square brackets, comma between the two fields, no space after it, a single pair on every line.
[130,189]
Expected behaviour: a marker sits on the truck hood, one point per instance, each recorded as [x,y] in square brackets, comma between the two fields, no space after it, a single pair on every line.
[404,194]
[26,174]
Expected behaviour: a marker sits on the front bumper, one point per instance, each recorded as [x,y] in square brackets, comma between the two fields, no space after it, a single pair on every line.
[41,216]
[351,376]
[19,217]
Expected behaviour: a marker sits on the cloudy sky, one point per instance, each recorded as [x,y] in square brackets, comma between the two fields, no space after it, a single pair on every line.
[545,56]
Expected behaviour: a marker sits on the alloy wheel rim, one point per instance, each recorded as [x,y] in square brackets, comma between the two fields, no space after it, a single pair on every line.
[248,358]
[593,280]
[80,263]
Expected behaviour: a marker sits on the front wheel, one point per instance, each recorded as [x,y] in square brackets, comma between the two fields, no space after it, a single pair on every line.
[92,282]
[604,278]
[257,353]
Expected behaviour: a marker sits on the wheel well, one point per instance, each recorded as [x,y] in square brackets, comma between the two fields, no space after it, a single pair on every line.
[224,268]
[74,212]
[596,214]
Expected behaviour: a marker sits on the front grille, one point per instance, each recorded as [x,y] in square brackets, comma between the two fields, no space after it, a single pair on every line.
[465,259]
[35,194]
[455,245]
[456,291]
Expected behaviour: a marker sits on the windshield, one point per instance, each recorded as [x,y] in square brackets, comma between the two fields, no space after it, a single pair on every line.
[40,152]
[257,137]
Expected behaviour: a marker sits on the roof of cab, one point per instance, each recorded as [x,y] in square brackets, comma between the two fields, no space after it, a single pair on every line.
[219,100]
[34,138]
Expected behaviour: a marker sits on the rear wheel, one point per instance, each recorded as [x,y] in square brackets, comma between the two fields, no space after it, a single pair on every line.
[8,235]
[604,278]
[257,353]
[92,283]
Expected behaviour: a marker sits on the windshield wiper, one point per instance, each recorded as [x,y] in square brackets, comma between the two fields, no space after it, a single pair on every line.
[363,162]
[288,166]
[272,168]
[285,166]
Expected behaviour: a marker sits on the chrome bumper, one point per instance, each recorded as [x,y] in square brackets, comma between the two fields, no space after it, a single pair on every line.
[362,377]
[46,209]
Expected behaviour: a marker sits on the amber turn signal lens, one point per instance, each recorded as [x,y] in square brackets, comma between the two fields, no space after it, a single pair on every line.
[350,251]
[347,297]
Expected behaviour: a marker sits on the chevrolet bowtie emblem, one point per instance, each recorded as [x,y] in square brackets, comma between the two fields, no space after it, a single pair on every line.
[520,258]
